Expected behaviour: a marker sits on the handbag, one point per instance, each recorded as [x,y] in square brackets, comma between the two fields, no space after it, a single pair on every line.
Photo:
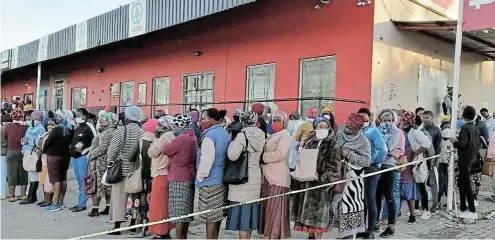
[113,174]
[487,167]
[134,182]
[236,172]
[400,161]
[420,171]
[90,180]
[306,170]
[30,160]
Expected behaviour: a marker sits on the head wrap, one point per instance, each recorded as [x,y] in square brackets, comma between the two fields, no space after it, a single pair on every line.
[109,117]
[150,125]
[258,108]
[388,112]
[66,116]
[237,110]
[295,114]
[355,121]
[326,109]
[17,114]
[319,120]
[166,121]
[249,119]
[37,115]
[408,118]
[101,112]
[444,118]
[134,113]
[281,115]
[182,121]
[107,109]
[312,113]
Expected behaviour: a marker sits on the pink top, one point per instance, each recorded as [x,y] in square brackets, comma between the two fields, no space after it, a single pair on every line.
[182,154]
[402,142]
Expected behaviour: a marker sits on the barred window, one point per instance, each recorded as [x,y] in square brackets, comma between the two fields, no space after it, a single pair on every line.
[197,88]
[317,79]
[260,82]
[161,92]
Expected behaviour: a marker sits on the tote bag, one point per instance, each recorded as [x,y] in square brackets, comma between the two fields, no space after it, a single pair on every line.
[236,172]
[306,166]
[134,182]
[29,161]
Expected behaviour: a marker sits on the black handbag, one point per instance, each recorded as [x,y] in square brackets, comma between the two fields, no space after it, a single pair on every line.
[114,166]
[236,172]
[39,165]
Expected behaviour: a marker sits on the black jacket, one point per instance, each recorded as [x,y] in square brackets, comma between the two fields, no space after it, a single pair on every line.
[468,144]
[84,133]
[436,137]
[56,144]
[483,130]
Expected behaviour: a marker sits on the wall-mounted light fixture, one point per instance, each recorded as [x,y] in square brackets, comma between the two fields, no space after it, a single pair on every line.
[100,70]
[27,84]
[197,53]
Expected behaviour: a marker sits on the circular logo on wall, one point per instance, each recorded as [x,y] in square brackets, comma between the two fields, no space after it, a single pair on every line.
[43,44]
[137,13]
[81,32]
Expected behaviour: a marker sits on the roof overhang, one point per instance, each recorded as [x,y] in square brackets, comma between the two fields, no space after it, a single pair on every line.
[480,41]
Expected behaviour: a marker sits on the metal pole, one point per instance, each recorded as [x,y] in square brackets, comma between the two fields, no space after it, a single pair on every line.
[38,86]
[455,97]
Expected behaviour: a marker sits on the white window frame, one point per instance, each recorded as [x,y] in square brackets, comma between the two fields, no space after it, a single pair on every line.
[167,94]
[248,82]
[121,102]
[186,108]
[301,61]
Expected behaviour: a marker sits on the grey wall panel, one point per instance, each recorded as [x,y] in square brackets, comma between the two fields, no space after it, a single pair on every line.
[109,27]
[62,43]
[28,54]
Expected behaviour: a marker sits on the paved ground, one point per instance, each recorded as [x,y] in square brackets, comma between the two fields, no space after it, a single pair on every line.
[30,222]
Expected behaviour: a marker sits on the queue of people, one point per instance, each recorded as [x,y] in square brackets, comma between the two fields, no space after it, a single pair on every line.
[148,170]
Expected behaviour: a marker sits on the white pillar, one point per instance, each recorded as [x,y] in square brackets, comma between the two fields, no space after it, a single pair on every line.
[38,86]
[455,97]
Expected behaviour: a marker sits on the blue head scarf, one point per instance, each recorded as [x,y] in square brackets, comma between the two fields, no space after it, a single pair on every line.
[319,120]
[64,122]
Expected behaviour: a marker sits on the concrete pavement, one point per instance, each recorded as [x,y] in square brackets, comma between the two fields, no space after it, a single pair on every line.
[30,222]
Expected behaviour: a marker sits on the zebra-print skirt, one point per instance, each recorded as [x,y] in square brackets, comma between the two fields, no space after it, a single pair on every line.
[211,197]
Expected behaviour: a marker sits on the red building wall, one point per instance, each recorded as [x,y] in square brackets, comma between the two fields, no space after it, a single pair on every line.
[18,86]
[276,31]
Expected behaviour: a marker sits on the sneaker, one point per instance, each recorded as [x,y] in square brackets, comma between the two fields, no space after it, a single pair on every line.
[400,215]
[387,233]
[417,212]
[434,210]
[469,215]
[412,220]
[53,208]
[62,206]
[476,203]
[426,215]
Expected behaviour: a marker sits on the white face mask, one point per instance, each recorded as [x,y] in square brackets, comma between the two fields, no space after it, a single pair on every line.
[79,120]
[321,133]
[366,124]
[326,116]
[36,122]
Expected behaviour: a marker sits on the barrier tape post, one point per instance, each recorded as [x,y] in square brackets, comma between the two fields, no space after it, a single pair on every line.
[254,201]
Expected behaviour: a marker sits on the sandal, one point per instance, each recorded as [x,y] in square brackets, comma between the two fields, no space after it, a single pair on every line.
[22,198]
[11,199]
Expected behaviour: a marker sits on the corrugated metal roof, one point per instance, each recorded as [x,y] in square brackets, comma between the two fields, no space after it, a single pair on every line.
[114,26]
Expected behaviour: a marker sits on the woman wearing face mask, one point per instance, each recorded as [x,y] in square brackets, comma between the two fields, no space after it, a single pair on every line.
[245,218]
[236,125]
[210,164]
[388,184]
[274,219]
[12,135]
[355,151]
[97,161]
[122,141]
[311,209]
[415,145]
[159,172]
[56,147]
[44,178]
[34,131]
[181,152]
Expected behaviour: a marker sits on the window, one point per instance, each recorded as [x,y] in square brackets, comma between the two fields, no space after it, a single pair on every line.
[317,79]
[161,92]
[141,94]
[260,82]
[197,89]
[127,93]
[76,98]
[59,94]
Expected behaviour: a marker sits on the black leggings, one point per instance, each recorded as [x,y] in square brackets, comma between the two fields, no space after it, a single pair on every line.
[386,189]
[424,196]
[465,188]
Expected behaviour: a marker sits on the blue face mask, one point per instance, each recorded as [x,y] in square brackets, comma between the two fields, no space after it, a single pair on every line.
[385,125]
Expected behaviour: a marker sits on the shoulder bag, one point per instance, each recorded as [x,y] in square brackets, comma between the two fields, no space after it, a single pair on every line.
[420,170]
[306,165]
[30,160]
[90,180]
[236,172]
[113,174]
[134,182]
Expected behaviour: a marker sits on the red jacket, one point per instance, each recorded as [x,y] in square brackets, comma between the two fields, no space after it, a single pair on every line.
[182,157]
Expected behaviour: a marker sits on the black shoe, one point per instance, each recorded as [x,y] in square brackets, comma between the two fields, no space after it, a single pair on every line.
[115,233]
[94,213]
[133,222]
[387,233]
[106,211]
[72,208]
[41,203]
[79,209]
[361,235]
[369,236]
[377,228]
[45,204]
[27,201]
[412,220]
[166,236]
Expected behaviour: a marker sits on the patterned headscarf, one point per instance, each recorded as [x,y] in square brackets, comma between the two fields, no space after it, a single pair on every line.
[355,121]
[109,117]
[66,116]
[37,115]
[282,115]
[182,121]
[166,121]
[408,118]
[249,119]
[321,119]
[326,109]
[17,114]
